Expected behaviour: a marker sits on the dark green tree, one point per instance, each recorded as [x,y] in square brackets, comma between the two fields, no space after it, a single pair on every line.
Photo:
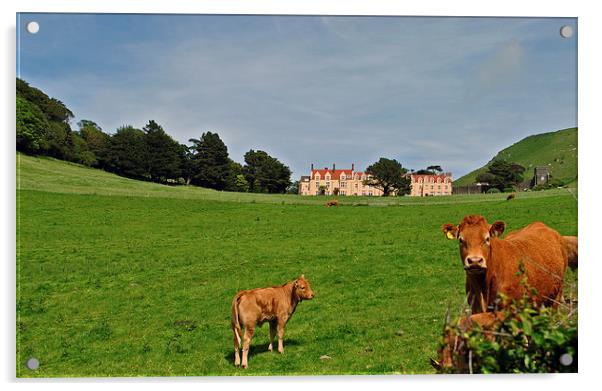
[423,172]
[266,174]
[163,154]
[53,108]
[502,175]
[79,151]
[435,169]
[212,166]
[236,178]
[389,176]
[241,184]
[293,188]
[187,156]
[127,152]
[59,140]
[32,127]
[96,140]
[485,177]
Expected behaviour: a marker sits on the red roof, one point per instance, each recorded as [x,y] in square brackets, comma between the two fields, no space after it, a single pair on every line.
[334,174]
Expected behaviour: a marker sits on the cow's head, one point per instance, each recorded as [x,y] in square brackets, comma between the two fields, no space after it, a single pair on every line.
[302,289]
[474,235]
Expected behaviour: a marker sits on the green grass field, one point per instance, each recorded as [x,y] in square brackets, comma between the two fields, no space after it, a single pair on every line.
[125,278]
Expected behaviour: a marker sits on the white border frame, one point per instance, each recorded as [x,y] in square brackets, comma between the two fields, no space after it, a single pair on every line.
[589,25]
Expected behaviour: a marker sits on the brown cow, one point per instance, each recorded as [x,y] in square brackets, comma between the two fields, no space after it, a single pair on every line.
[492,264]
[332,203]
[276,305]
[454,353]
[511,197]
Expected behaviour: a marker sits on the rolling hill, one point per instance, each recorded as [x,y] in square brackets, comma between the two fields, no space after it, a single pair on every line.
[557,150]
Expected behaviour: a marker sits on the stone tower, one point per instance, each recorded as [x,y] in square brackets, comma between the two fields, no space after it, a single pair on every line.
[542,175]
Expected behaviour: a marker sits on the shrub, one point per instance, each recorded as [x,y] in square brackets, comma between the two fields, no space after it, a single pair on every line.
[493,190]
[529,339]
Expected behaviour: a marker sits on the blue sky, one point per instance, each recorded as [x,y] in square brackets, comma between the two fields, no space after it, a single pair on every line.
[322,90]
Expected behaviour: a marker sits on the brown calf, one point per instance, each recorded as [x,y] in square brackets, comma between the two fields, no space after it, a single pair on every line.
[491,263]
[571,249]
[511,197]
[332,203]
[276,305]
[454,351]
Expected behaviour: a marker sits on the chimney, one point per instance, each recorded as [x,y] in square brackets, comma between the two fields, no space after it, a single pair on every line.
[333,167]
[352,166]
[312,166]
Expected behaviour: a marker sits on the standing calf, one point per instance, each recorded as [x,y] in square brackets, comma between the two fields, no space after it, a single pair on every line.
[275,305]
[570,243]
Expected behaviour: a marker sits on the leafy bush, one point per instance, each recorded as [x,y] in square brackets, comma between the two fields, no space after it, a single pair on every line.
[529,339]
[493,190]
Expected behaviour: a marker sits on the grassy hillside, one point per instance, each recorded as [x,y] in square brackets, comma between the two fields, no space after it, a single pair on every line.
[125,278]
[557,150]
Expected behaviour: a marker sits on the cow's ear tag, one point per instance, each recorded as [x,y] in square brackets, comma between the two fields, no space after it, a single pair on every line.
[450,235]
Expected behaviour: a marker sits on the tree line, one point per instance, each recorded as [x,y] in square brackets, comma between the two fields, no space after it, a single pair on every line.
[150,153]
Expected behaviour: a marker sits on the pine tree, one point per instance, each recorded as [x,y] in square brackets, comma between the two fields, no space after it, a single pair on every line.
[211,164]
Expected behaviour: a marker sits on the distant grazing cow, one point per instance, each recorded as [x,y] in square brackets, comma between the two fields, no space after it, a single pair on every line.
[332,203]
[491,263]
[276,305]
[511,197]
[454,353]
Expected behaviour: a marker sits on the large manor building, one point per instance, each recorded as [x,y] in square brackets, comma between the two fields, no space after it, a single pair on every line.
[348,182]
[431,185]
[332,181]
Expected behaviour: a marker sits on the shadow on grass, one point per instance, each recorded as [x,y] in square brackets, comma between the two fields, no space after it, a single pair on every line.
[260,349]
